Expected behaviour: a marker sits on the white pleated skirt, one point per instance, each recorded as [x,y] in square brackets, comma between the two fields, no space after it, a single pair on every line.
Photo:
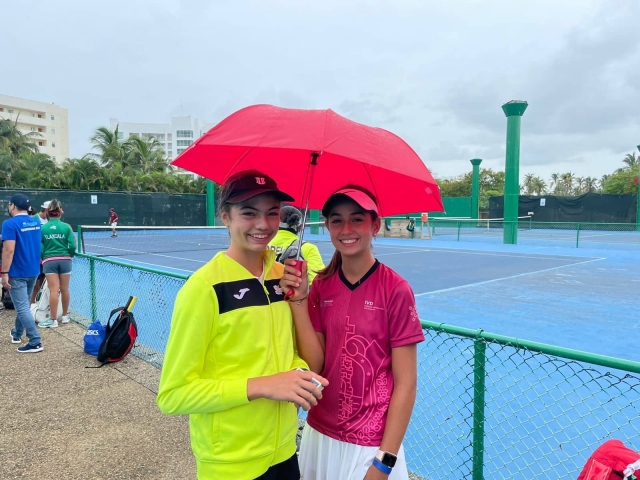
[325,458]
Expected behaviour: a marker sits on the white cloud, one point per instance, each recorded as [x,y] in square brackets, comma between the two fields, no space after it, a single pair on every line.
[433,72]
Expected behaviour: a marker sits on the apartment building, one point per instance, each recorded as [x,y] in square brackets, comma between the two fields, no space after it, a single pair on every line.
[174,137]
[49,121]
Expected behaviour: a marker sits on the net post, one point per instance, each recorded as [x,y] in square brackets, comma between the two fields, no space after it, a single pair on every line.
[80,242]
[479,374]
[314,216]
[578,235]
[92,285]
[459,227]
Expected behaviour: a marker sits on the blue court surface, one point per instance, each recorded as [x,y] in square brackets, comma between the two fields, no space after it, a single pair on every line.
[576,298]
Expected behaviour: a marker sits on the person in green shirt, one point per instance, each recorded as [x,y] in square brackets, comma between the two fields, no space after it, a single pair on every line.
[286,242]
[57,250]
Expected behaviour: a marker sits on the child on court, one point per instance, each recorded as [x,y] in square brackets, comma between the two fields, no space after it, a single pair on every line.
[358,327]
[113,221]
[231,362]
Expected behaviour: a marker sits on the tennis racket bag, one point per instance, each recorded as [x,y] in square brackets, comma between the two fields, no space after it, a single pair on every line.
[120,337]
[41,310]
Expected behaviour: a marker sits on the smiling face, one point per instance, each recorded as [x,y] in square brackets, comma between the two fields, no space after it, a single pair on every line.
[351,228]
[253,223]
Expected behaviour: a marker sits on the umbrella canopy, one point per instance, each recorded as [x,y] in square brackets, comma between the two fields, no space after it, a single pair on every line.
[280,142]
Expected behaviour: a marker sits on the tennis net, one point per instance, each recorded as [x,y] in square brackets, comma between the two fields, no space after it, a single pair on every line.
[98,240]
[473,226]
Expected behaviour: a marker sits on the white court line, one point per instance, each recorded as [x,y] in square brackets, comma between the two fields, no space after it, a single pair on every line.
[490,254]
[165,267]
[147,253]
[401,253]
[505,278]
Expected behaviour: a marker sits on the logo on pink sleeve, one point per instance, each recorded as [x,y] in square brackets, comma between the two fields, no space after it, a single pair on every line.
[413,311]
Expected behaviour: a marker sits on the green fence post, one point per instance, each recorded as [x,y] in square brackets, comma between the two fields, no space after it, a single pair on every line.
[513,110]
[459,226]
[475,187]
[578,236]
[211,204]
[479,372]
[80,244]
[314,216]
[92,284]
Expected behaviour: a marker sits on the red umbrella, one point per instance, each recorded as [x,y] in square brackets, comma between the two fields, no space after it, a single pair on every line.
[283,143]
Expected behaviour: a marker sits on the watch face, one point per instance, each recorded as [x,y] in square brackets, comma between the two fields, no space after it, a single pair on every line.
[389,460]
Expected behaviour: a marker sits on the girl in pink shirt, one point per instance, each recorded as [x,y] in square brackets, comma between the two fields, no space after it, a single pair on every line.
[358,327]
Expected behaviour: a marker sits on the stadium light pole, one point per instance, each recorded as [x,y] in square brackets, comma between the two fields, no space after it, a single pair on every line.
[513,110]
[475,187]
[211,204]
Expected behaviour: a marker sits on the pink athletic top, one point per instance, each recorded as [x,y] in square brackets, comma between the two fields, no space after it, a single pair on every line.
[361,324]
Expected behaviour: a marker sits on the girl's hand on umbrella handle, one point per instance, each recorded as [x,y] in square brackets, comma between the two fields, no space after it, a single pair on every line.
[295,280]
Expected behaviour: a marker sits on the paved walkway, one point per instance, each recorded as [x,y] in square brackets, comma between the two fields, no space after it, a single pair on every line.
[59,420]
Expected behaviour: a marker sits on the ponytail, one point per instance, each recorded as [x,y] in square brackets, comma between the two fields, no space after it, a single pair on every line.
[55,209]
[334,265]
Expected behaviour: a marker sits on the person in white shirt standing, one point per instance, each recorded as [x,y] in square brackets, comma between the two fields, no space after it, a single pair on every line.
[42,216]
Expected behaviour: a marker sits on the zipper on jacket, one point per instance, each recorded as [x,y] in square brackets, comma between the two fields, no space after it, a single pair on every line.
[275,354]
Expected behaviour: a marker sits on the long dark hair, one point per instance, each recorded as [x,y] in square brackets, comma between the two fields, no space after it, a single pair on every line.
[336,260]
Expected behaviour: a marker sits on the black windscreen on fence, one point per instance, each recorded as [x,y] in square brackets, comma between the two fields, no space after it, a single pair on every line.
[92,207]
[590,207]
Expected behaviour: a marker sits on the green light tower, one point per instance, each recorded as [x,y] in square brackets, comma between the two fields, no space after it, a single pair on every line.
[211,204]
[513,111]
[475,187]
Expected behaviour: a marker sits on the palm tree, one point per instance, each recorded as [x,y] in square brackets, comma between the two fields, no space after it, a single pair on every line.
[631,161]
[14,141]
[528,183]
[567,181]
[539,186]
[37,170]
[82,173]
[603,180]
[590,184]
[110,148]
[146,155]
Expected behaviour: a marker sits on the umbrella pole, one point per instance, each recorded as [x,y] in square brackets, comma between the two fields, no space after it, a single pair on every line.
[307,192]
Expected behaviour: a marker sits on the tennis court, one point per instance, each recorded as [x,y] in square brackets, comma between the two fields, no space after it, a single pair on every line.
[565,297]
[611,236]
[543,414]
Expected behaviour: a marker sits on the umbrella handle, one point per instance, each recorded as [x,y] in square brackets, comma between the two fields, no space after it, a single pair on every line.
[291,292]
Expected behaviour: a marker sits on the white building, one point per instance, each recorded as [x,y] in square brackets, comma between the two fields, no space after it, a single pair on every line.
[175,137]
[49,121]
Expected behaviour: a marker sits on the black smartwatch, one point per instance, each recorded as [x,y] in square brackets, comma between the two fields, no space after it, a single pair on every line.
[386,458]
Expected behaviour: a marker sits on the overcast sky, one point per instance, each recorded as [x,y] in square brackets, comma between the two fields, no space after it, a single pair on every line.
[433,72]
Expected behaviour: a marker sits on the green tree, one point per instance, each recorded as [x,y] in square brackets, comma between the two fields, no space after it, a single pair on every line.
[110,149]
[13,141]
[621,182]
[145,155]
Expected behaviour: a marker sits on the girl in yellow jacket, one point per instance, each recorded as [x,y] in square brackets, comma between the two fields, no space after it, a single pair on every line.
[286,242]
[231,361]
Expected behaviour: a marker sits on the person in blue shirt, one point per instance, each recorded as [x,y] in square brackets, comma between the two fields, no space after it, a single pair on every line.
[20,268]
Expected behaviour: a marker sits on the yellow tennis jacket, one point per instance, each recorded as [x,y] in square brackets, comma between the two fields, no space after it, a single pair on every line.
[309,251]
[228,327]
